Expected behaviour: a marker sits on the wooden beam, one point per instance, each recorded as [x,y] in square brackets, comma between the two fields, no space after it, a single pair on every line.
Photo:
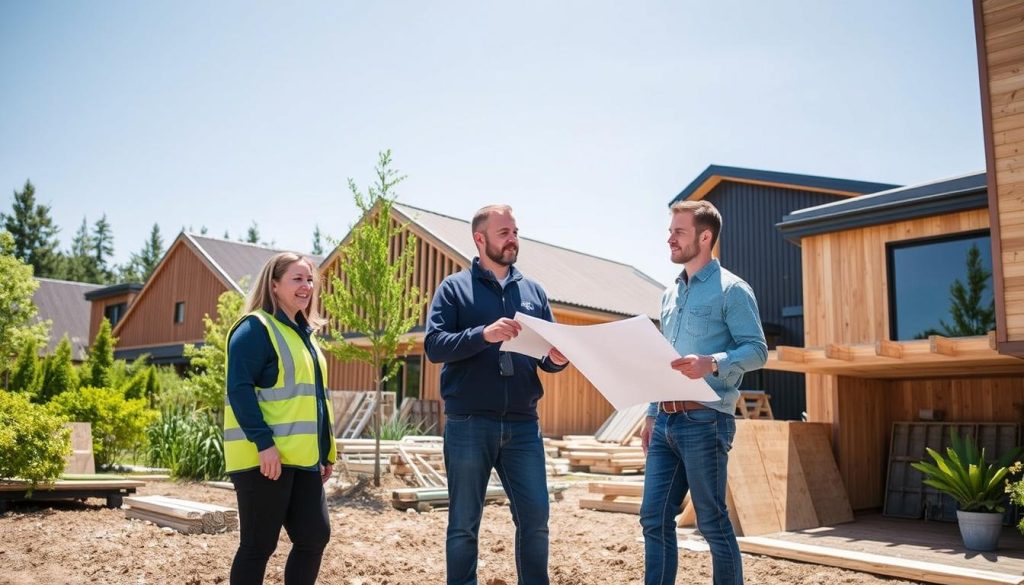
[837,351]
[786,353]
[992,339]
[887,348]
[943,345]
[873,563]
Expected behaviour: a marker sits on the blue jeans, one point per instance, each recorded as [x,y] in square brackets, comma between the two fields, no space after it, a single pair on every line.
[689,451]
[473,445]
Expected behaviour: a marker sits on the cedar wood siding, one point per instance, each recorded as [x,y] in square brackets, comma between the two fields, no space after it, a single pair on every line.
[182,276]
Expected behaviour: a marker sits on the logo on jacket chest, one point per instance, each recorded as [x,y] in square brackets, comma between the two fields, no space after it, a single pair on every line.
[527,306]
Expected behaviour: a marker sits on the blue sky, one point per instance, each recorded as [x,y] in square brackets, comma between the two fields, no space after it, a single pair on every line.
[587,117]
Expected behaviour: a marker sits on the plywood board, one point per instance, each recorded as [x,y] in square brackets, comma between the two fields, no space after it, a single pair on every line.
[786,478]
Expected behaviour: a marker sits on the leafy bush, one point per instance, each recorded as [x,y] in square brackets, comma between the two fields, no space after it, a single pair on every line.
[118,424]
[188,442]
[33,442]
[394,429]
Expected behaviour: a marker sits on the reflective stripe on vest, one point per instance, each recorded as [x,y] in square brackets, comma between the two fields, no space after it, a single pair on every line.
[289,407]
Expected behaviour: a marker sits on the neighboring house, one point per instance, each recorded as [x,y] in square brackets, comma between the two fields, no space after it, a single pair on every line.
[582,289]
[110,303]
[63,303]
[168,311]
[752,202]
[881,345]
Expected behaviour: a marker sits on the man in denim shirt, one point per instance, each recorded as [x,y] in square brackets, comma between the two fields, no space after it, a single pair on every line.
[710,316]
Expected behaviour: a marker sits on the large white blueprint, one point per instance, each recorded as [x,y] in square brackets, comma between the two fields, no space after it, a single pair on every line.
[627,361]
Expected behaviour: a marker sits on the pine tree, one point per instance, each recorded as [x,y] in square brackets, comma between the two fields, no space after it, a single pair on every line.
[141,265]
[965,306]
[58,372]
[103,248]
[252,235]
[80,264]
[318,248]
[96,370]
[35,235]
[25,377]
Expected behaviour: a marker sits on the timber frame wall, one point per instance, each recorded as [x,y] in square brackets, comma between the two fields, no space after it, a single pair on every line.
[845,274]
[571,405]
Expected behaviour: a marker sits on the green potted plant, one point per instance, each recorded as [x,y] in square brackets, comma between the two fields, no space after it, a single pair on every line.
[977,486]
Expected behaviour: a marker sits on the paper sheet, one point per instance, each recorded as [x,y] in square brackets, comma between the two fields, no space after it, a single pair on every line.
[627,361]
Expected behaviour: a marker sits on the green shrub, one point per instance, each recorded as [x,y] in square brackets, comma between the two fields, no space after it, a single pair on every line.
[118,424]
[395,429]
[33,442]
[188,442]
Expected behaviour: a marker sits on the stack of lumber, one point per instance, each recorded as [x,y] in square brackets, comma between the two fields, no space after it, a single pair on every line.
[606,458]
[424,499]
[423,463]
[616,496]
[357,454]
[782,477]
[354,411]
[184,516]
[622,425]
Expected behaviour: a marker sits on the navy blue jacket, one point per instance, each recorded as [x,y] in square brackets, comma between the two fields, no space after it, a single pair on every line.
[471,383]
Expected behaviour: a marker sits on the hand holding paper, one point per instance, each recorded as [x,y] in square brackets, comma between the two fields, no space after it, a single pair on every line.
[627,361]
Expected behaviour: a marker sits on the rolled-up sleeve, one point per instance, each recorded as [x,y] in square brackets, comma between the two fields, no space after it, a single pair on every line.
[744,323]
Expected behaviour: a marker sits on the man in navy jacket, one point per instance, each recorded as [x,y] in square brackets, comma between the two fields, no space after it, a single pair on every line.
[490,398]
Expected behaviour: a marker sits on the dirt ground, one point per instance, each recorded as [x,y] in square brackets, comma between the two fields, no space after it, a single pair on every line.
[372,544]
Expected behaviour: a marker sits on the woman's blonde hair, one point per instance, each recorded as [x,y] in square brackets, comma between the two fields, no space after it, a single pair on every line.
[261,296]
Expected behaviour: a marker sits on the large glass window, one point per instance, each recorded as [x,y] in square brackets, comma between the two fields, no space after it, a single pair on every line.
[941,287]
[406,382]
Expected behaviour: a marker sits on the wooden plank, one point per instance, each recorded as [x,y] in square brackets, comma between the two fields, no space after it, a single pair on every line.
[872,563]
[610,506]
[747,481]
[183,526]
[824,484]
[786,479]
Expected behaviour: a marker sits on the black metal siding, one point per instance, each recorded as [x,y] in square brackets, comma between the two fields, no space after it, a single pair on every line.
[754,249]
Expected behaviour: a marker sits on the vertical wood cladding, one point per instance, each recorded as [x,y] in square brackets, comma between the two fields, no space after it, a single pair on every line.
[183,276]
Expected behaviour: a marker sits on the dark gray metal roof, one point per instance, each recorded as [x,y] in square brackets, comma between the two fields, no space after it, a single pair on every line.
[114,289]
[239,262]
[780,179]
[927,199]
[63,303]
[569,277]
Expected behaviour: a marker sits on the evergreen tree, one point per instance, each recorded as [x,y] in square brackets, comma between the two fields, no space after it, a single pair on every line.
[35,235]
[227,236]
[103,248]
[80,264]
[252,235]
[25,377]
[96,370]
[965,306]
[17,311]
[141,265]
[59,374]
[208,362]
[318,247]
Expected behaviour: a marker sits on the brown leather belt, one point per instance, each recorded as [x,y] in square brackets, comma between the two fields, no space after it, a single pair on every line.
[680,406]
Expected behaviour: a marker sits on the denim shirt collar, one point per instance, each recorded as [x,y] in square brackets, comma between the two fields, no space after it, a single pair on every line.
[484,274]
[703,274]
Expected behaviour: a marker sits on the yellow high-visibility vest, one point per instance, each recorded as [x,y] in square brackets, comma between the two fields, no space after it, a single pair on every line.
[288,407]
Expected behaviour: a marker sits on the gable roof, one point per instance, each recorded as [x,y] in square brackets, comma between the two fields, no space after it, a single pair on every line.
[569,277]
[715,174]
[922,200]
[63,303]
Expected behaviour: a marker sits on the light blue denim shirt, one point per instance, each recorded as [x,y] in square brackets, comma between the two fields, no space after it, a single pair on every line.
[715,314]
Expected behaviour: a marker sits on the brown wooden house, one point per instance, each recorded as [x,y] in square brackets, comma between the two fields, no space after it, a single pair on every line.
[583,290]
[168,311]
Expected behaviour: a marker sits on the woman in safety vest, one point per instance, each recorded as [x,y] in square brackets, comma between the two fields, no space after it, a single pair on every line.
[278,445]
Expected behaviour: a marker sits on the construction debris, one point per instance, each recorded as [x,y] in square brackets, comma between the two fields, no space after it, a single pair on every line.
[184,516]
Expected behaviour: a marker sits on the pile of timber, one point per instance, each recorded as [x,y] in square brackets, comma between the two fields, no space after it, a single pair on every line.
[782,477]
[586,453]
[425,499]
[184,516]
[357,454]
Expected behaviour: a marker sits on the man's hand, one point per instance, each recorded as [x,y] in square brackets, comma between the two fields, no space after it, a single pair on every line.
[502,330]
[693,366]
[325,472]
[645,435]
[270,463]
[556,357]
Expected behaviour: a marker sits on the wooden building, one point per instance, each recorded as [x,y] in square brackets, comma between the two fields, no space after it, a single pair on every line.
[110,303]
[168,311]
[752,202]
[882,344]
[582,289]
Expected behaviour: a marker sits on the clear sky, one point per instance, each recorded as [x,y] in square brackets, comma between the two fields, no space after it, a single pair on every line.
[587,117]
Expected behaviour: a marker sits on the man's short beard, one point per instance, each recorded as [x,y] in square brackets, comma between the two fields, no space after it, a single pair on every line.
[498,257]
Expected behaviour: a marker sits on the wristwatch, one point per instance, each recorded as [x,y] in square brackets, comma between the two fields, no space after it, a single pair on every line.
[714,366]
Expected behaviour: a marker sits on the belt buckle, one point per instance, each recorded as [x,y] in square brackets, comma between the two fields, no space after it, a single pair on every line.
[670,407]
